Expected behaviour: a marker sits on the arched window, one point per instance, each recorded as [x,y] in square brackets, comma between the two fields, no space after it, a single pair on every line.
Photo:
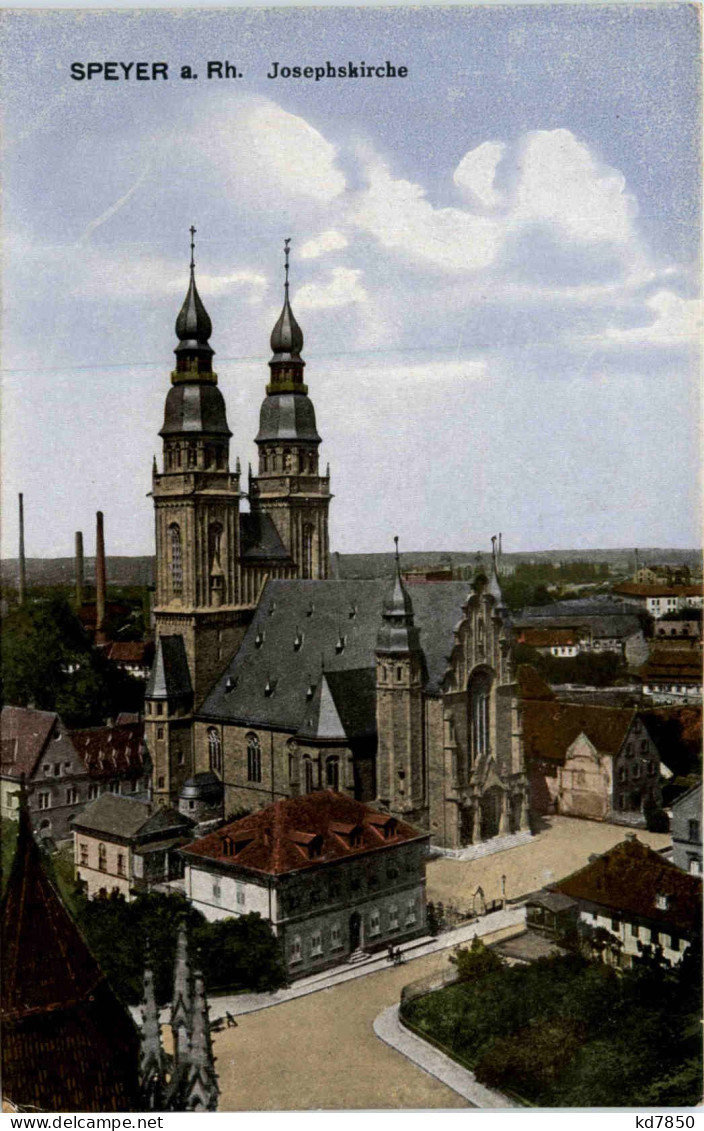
[102,858]
[214,543]
[176,560]
[479,713]
[308,774]
[307,550]
[254,758]
[215,749]
[332,773]
[292,747]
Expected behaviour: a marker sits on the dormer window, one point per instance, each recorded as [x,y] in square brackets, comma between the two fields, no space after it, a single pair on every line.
[298,641]
[349,834]
[353,612]
[310,610]
[230,684]
[341,642]
[662,902]
[270,687]
[272,608]
[310,691]
[259,639]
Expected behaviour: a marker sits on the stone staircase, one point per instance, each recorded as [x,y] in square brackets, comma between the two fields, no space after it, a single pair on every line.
[485,847]
[356,956]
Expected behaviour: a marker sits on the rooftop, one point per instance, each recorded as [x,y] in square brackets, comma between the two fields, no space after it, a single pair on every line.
[633,879]
[303,832]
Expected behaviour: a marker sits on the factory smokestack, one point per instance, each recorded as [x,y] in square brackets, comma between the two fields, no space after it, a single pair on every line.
[79,569]
[22,577]
[100,579]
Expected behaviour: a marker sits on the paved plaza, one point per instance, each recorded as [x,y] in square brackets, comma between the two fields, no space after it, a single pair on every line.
[320,1051]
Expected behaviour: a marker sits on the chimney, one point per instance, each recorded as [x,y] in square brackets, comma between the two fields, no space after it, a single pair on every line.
[79,569]
[100,580]
[22,578]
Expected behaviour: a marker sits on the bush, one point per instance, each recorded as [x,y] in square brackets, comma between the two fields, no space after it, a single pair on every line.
[476,962]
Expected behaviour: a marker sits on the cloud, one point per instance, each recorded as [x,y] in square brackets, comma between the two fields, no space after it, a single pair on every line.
[475,172]
[396,212]
[342,288]
[257,285]
[563,183]
[676,320]
[319,245]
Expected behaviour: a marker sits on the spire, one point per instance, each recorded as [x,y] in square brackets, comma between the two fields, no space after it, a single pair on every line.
[494,585]
[193,328]
[202,1085]
[287,336]
[181,1006]
[151,1057]
[397,633]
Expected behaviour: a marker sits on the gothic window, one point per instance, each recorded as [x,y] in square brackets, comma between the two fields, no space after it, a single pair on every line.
[176,560]
[332,773]
[215,749]
[264,462]
[308,774]
[191,455]
[254,758]
[311,463]
[307,550]
[479,711]
[292,762]
[288,460]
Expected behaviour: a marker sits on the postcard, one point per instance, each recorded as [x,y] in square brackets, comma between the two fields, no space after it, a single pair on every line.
[352,753]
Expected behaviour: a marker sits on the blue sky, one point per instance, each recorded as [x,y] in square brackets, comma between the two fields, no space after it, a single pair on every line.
[495,264]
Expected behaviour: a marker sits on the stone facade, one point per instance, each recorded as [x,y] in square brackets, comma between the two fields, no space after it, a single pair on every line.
[686,830]
[359,889]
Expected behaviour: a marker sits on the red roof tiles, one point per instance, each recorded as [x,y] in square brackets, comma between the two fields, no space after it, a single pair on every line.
[107,751]
[629,877]
[276,839]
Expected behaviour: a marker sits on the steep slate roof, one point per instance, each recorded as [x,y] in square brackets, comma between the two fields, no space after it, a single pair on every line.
[677,732]
[550,728]
[169,677]
[260,539]
[636,589]
[275,840]
[324,613]
[547,637]
[24,733]
[111,750]
[68,1044]
[629,877]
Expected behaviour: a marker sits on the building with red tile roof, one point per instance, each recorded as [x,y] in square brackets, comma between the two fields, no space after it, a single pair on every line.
[332,875]
[638,899]
[601,763]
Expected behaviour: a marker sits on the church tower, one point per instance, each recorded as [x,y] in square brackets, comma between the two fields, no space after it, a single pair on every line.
[400,677]
[289,487]
[199,617]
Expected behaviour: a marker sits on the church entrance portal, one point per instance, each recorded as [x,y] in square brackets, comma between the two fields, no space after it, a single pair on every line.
[491,803]
[355,930]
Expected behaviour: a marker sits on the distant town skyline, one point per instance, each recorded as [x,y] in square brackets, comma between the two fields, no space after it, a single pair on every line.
[496,276]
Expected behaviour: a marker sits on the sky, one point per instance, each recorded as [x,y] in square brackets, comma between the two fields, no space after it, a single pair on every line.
[495,263]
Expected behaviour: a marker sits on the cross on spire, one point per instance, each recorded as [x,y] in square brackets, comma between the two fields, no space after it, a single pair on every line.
[287,252]
[192,230]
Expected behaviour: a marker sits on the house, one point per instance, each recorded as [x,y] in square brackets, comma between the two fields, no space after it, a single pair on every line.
[551,641]
[631,898]
[658,600]
[551,913]
[126,846]
[37,747]
[65,769]
[673,676]
[332,875]
[585,760]
[115,758]
[68,1043]
[686,830]
[132,656]
[282,681]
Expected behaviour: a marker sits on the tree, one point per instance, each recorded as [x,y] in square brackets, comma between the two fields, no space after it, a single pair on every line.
[476,962]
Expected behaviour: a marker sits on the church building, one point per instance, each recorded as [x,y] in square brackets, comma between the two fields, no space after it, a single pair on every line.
[282,681]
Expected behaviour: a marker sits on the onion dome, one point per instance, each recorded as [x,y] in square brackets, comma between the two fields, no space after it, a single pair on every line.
[398,633]
[287,336]
[193,328]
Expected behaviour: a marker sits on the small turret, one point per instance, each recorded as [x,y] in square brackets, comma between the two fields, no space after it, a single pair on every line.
[398,632]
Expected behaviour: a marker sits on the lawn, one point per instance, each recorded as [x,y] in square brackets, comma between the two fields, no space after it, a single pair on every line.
[572,1033]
